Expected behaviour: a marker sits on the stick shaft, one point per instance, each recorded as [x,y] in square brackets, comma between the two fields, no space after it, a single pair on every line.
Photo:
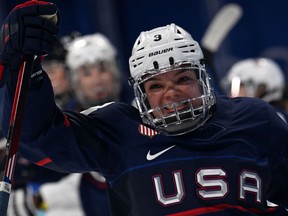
[222,23]
[14,133]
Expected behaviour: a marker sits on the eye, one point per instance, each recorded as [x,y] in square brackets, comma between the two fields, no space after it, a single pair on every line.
[184,79]
[86,72]
[102,67]
[154,86]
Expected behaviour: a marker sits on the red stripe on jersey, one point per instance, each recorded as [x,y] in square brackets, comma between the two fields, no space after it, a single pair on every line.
[44,161]
[6,38]
[1,71]
[66,121]
[41,58]
[217,208]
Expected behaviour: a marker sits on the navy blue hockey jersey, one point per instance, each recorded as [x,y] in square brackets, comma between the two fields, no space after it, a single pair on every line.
[233,165]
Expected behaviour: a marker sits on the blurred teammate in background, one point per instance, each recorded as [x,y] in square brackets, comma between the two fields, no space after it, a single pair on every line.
[60,76]
[257,77]
[96,78]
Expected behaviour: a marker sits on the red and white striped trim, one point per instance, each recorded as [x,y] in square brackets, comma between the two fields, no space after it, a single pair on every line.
[147,131]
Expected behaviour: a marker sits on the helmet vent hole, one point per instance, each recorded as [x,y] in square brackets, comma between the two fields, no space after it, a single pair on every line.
[171,61]
[140,49]
[156,65]
[182,46]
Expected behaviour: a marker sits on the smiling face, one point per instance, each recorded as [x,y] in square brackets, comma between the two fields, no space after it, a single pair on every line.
[173,91]
[176,99]
[170,89]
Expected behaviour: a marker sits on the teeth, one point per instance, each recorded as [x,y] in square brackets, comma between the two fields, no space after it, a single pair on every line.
[169,106]
[176,106]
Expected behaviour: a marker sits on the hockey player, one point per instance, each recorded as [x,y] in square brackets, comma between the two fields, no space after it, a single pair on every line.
[96,77]
[257,77]
[55,66]
[184,151]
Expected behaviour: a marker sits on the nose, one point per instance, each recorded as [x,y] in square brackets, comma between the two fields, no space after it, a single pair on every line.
[95,77]
[171,91]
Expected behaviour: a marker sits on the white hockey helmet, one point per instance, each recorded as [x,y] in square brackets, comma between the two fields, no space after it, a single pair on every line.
[161,50]
[92,49]
[262,78]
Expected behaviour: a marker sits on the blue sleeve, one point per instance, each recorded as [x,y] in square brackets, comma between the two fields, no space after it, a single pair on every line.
[39,109]
[62,141]
[44,126]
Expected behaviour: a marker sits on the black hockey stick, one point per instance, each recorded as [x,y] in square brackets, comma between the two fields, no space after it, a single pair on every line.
[225,19]
[15,126]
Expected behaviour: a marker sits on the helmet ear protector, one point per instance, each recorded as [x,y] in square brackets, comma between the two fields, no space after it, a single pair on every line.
[163,50]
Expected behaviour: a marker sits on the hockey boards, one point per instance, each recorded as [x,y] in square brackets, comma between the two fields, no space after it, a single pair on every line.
[220,26]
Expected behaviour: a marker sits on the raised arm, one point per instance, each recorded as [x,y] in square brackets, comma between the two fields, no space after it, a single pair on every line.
[27,30]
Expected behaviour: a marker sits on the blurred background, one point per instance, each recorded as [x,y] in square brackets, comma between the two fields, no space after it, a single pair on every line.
[261,31]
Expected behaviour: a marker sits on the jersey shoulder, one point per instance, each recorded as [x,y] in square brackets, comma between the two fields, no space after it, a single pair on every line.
[244,109]
[244,104]
[113,109]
